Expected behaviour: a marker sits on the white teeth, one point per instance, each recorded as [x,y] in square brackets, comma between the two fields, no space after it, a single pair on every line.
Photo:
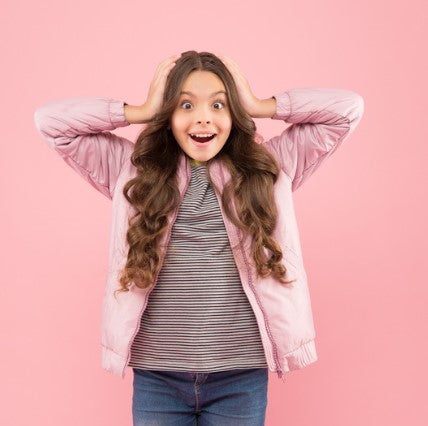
[203,135]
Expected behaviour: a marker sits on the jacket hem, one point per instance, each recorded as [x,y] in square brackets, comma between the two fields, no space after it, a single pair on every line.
[113,362]
[301,357]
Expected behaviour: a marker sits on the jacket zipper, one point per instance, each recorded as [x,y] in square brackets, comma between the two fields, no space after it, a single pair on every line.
[154,281]
[279,371]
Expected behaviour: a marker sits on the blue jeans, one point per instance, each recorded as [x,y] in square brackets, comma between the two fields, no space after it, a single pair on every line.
[223,398]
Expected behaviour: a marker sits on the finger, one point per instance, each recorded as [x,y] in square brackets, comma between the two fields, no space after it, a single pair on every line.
[231,65]
[228,64]
[225,58]
[168,69]
[173,57]
[167,61]
[163,75]
[165,66]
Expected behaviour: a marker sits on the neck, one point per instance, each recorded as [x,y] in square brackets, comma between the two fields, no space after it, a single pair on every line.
[196,163]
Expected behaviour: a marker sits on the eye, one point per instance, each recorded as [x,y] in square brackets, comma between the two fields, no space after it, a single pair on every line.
[185,102]
[220,102]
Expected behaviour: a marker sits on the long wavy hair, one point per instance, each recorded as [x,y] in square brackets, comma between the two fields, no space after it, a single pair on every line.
[154,192]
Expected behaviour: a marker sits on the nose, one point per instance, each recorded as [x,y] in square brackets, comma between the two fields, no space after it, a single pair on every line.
[203,115]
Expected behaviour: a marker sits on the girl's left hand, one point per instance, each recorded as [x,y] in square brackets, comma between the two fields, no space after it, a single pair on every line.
[246,96]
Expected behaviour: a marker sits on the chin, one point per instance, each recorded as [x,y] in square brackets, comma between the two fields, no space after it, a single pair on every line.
[201,157]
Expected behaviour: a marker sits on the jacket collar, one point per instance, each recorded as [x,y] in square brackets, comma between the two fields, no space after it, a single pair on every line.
[219,174]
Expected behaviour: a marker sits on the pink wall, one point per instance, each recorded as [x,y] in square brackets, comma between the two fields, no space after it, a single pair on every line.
[362,216]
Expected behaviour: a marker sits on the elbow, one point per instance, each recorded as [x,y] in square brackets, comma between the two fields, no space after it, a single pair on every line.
[360,104]
[39,118]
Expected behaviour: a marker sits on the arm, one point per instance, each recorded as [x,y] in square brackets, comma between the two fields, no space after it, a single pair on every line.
[322,119]
[76,129]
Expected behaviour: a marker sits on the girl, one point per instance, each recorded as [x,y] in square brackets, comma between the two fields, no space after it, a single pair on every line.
[206,289]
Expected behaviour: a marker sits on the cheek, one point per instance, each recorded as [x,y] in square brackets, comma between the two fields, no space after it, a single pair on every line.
[226,125]
[175,125]
[178,121]
[226,121]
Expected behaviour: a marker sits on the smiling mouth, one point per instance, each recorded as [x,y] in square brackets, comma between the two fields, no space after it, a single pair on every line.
[202,139]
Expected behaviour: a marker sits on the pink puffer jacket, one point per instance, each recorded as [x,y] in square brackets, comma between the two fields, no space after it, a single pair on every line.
[78,130]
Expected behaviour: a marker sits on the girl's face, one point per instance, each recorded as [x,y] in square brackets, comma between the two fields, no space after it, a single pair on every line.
[202,109]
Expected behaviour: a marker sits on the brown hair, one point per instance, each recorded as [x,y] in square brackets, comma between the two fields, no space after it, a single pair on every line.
[155,193]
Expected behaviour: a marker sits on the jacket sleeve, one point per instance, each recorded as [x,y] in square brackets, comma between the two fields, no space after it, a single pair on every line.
[77,129]
[322,119]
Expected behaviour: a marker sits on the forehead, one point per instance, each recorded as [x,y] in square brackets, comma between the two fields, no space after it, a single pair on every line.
[203,84]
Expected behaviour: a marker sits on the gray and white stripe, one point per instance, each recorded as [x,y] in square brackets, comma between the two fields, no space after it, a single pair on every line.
[198,317]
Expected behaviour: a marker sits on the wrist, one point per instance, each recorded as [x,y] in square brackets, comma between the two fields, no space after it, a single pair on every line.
[137,114]
[265,108]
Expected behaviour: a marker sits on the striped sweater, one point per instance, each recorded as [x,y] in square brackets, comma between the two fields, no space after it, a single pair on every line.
[198,317]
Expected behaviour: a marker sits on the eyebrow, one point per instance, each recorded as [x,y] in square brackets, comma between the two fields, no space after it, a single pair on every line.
[213,94]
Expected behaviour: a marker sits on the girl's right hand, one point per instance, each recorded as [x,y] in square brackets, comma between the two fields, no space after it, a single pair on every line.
[157,86]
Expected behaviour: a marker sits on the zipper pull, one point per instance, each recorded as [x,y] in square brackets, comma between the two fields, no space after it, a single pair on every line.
[281,375]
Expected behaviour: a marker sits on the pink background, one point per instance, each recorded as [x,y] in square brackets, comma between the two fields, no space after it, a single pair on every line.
[362,216]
